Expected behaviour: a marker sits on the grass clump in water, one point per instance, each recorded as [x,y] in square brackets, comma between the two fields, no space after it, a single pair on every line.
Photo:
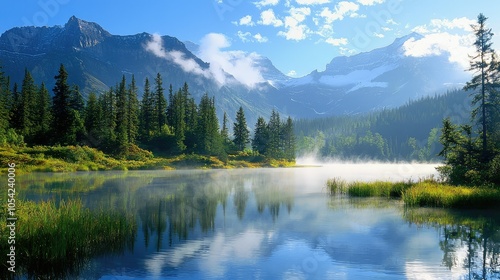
[367,189]
[51,238]
[425,193]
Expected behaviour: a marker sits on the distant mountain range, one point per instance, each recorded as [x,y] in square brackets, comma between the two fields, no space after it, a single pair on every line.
[96,60]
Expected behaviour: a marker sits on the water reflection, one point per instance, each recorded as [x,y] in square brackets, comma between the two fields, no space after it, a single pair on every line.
[275,224]
[470,240]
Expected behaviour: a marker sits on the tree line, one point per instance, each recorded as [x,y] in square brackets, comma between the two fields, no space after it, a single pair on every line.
[118,123]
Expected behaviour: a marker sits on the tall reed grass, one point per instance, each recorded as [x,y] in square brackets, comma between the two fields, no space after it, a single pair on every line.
[53,239]
[423,193]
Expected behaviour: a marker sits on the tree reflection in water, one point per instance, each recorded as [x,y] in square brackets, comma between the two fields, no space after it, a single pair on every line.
[469,240]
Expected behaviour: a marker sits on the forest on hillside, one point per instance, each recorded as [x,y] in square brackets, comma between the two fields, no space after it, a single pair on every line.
[410,132]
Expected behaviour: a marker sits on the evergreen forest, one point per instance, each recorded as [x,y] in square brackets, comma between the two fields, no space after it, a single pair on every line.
[166,122]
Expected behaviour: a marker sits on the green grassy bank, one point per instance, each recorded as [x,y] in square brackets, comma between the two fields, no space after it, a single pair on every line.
[424,193]
[82,158]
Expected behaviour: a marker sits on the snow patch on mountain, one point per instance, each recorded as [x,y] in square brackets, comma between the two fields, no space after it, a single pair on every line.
[359,78]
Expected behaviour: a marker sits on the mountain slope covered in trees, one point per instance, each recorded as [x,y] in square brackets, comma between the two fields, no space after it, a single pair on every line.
[410,132]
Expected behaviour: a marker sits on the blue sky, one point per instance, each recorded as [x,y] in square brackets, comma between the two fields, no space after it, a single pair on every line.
[299,36]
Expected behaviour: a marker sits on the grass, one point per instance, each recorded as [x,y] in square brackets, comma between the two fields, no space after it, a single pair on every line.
[52,238]
[426,193]
[447,196]
[82,158]
[368,189]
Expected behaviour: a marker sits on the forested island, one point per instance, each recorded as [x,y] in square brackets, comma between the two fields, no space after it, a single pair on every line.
[114,130]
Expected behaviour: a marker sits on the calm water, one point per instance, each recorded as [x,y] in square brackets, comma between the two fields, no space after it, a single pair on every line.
[275,224]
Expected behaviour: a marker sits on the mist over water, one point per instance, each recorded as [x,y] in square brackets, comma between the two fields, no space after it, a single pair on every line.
[368,170]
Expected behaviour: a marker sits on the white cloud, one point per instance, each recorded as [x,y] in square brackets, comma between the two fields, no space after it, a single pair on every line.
[292,73]
[259,38]
[346,51]
[456,46]
[378,35]
[269,18]
[443,36]
[296,30]
[325,31]
[246,20]
[188,65]
[312,2]
[244,36]
[438,25]
[248,37]
[239,64]
[370,2]
[264,3]
[342,9]
[337,41]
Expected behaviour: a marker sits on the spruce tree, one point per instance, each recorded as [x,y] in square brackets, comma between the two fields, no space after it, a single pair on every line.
[146,113]
[121,115]
[15,108]
[107,102]
[240,131]
[160,105]
[132,112]
[288,139]
[179,124]
[28,108]
[5,101]
[225,130]
[482,84]
[274,129]
[63,122]
[44,115]
[261,136]
[207,132]
[94,121]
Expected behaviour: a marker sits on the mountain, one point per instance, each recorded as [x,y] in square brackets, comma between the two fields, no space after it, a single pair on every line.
[381,78]
[96,61]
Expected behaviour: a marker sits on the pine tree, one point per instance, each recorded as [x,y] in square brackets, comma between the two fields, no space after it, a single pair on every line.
[261,136]
[481,64]
[107,102]
[288,139]
[77,103]
[146,113]
[274,129]
[44,115]
[160,105]
[179,124]
[240,131]
[207,131]
[28,108]
[121,115]
[170,107]
[15,108]
[64,119]
[132,112]
[94,121]
[224,131]
[5,100]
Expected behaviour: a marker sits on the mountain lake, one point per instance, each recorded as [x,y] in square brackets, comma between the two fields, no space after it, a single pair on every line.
[273,224]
